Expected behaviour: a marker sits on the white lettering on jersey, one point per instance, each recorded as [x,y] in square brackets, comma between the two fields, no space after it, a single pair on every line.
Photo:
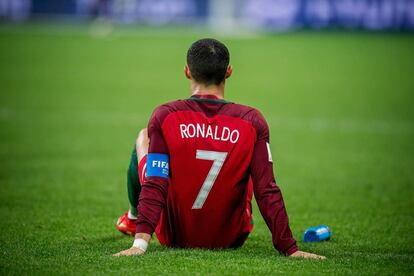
[217,133]
[183,129]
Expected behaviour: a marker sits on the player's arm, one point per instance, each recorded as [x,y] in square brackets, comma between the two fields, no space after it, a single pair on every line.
[268,195]
[154,190]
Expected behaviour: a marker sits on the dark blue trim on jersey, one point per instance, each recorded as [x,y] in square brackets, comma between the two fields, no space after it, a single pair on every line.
[158,164]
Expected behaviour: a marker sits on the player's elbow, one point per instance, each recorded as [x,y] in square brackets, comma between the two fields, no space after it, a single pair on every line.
[271,190]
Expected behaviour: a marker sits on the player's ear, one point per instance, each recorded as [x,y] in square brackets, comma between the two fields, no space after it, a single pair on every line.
[187,72]
[229,71]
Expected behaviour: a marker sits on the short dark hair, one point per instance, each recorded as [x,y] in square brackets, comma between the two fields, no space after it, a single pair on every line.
[208,60]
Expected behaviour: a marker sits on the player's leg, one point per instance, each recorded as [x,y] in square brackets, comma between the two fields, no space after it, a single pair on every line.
[126,223]
[133,185]
[142,144]
[134,172]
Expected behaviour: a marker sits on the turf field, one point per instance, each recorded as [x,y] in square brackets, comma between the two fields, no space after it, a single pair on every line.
[340,109]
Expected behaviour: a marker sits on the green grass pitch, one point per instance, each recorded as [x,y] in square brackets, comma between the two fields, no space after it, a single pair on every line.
[341,112]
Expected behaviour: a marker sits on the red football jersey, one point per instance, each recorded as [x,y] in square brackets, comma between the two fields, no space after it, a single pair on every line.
[202,153]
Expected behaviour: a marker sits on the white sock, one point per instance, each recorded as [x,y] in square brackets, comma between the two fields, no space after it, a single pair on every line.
[131,216]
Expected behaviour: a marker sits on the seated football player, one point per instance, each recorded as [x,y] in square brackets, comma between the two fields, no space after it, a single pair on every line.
[192,174]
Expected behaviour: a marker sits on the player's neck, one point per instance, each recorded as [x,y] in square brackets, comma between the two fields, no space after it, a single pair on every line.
[201,89]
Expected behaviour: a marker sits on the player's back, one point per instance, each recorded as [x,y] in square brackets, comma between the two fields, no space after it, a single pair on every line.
[210,144]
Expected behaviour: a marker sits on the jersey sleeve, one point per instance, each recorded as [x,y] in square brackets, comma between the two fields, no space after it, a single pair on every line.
[267,193]
[155,186]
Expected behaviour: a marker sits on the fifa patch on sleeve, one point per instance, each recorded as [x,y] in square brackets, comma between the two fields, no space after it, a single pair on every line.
[158,164]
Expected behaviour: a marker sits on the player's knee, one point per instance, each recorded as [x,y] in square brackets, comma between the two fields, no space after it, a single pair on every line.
[142,144]
[142,138]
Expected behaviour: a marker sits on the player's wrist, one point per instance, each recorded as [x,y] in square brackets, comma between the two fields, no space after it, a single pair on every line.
[141,244]
[141,241]
[144,236]
[292,250]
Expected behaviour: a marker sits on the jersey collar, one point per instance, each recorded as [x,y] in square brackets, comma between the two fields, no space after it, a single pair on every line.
[208,98]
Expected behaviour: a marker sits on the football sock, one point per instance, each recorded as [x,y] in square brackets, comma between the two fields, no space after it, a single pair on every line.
[134,186]
[131,215]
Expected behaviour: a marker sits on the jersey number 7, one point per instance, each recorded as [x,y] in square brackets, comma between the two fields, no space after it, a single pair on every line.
[218,158]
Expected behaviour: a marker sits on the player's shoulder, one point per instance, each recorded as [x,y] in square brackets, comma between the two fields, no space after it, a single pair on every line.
[236,110]
[253,116]
[247,112]
[162,111]
[169,107]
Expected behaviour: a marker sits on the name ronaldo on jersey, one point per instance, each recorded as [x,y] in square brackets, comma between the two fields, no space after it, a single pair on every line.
[202,130]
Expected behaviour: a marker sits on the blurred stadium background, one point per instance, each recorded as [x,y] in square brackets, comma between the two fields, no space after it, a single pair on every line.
[229,14]
[79,78]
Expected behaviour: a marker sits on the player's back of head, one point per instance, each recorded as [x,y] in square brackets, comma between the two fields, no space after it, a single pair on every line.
[208,60]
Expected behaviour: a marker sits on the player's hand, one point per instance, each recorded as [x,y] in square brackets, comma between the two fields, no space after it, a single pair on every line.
[306,255]
[130,252]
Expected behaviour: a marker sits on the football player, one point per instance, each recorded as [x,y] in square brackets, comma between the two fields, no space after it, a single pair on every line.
[194,171]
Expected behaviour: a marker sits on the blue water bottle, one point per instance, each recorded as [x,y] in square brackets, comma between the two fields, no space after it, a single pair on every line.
[317,233]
